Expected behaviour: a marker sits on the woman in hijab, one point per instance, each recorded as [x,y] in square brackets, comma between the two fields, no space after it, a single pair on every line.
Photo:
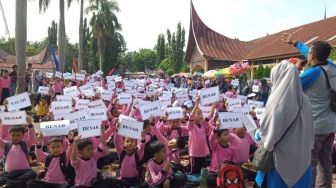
[287,106]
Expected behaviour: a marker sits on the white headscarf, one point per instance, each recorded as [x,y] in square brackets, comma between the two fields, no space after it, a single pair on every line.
[292,156]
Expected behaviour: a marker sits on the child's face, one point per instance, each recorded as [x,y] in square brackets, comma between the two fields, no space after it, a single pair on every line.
[16,136]
[56,148]
[147,129]
[130,144]
[161,155]
[87,152]
[174,123]
[172,144]
[240,132]
[224,137]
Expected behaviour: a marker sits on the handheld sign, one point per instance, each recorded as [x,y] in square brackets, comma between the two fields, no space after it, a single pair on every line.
[82,104]
[125,98]
[255,88]
[174,113]
[61,107]
[118,79]
[182,97]
[2,108]
[205,111]
[257,104]
[89,128]
[130,128]
[75,116]
[58,74]
[244,110]
[235,82]
[49,74]
[43,90]
[111,85]
[72,91]
[86,88]
[242,98]
[167,93]
[68,76]
[13,118]
[229,120]
[80,77]
[59,116]
[166,101]
[64,98]
[233,103]
[97,113]
[150,109]
[249,123]
[260,112]
[109,78]
[106,95]
[55,128]
[97,104]
[18,102]
[209,95]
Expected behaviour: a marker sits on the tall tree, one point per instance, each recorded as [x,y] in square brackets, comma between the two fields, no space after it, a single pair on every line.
[160,50]
[52,34]
[104,24]
[86,38]
[20,42]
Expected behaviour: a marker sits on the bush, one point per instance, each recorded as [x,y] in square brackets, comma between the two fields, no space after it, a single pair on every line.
[170,71]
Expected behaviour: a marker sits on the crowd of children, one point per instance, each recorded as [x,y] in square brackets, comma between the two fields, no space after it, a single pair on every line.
[153,161]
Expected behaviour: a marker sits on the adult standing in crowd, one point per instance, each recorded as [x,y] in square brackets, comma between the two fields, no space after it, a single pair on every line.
[287,130]
[314,85]
[5,82]
[29,74]
[13,76]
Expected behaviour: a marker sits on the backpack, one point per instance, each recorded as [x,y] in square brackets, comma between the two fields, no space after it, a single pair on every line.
[67,170]
[137,161]
[8,146]
[230,176]
[179,130]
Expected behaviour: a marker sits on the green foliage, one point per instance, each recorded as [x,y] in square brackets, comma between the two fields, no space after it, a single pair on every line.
[115,47]
[71,52]
[185,67]
[32,48]
[160,49]
[170,72]
[52,34]
[333,54]
[8,45]
[267,72]
[166,64]
[259,72]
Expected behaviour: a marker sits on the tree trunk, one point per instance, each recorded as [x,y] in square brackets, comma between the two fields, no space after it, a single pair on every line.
[101,49]
[20,42]
[81,39]
[61,37]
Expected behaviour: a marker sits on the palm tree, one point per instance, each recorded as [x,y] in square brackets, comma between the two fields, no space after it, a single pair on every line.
[104,24]
[43,6]
[20,42]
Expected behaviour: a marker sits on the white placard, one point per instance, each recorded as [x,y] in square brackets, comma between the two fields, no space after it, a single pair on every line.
[167,93]
[2,108]
[82,104]
[98,113]
[68,76]
[260,112]
[125,98]
[86,88]
[55,128]
[209,95]
[58,74]
[257,104]
[109,78]
[150,109]
[72,91]
[235,82]
[130,128]
[49,74]
[255,88]
[59,116]
[118,79]
[97,104]
[174,113]
[61,107]
[206,82]
[106,95]
[182,97]
[141,95]
[205,111]
[242,98]
[75,116]
[80,77]
[244,110]
[229,120]
[13,118]
[44,90]
[166,101]
[64,98]
[249,123]
[233,103]
[89,128]
[111,85]
[18,102]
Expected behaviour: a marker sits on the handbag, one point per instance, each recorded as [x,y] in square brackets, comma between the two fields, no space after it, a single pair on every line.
[264,160]
[331,90]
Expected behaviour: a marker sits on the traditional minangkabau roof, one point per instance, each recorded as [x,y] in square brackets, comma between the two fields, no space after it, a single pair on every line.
[40,61]
[213,45]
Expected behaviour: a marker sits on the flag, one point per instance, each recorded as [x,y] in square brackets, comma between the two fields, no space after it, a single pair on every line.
[111,72]
[52,51]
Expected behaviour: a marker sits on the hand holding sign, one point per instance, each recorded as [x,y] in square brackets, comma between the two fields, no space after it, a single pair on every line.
[130,128]
[230,120]
[209,95]
[18,102]
[89,128]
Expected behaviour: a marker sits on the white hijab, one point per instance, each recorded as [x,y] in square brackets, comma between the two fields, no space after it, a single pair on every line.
[292,156]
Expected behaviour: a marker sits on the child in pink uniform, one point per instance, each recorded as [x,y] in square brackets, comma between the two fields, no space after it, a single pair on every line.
[17,171]
[54,176]
[241,142]
[159,168]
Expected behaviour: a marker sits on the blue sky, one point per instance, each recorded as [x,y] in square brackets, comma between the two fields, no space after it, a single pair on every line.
[143,20]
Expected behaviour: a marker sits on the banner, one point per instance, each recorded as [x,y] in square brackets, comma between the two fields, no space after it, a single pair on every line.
[82,104]
[72,91]
[166,101]
[125,98]
[233,103]
[244,110]
[61,107]
[130,128]
[89,128]
[209,95]
[174,113]
[43,90]
[13,118]
[64,98]
[18,102]
[229,120]
[55,128]
[150,109]
[97,104]
[75,116]
[98,113]
[235,82]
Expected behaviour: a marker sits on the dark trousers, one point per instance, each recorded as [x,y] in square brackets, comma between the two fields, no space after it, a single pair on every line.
[17,179]
[106,183]
[132,182]
[42,184]
[4,94]
[176,180]
[197,164]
